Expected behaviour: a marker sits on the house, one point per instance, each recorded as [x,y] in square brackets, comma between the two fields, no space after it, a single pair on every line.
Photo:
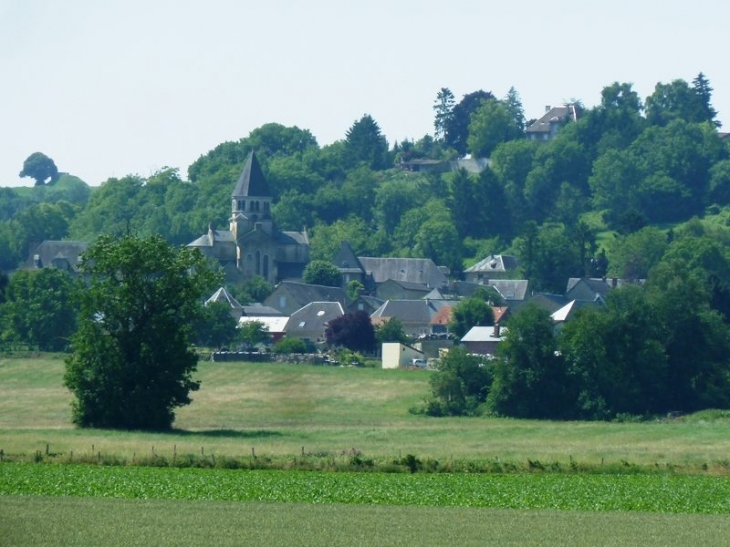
[275,324]
[365,303]
[414,315]
[548,125]
[351,268]
[64,255]
[392,289]
[396,355]
[547,302]
[412,270]
[253,245]
[567,312]
[310,322]
[492,267]
[290,296]
[222,295]
[483,340]
[590,288]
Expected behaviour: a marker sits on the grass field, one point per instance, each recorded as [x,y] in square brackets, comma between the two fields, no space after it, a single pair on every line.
[284,410]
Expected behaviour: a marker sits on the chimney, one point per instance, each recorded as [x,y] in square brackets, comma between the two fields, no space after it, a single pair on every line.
[614,282]
[547,108]
[496,330]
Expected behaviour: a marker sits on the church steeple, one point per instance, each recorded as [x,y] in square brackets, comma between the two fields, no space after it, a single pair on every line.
[252,183]
[251,200]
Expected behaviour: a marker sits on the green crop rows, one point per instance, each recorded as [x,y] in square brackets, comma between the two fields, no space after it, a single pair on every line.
[592,492]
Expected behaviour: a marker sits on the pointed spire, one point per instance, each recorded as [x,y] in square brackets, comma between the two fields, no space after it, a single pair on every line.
[252,182]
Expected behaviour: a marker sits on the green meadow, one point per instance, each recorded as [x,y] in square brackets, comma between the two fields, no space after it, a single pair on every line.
[659,482]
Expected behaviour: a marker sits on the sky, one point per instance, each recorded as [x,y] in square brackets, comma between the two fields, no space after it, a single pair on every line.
[116,87]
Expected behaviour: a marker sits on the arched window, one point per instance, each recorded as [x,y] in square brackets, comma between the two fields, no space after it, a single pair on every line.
[265,273]
[258,262]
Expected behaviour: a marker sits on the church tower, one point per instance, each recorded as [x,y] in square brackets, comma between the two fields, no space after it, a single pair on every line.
[251,201]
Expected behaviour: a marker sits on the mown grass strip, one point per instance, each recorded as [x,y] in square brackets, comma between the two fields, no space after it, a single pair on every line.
[646,493]
[30,521]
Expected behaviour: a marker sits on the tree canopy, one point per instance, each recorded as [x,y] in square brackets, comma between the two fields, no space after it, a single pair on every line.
[132,362]
[40,168]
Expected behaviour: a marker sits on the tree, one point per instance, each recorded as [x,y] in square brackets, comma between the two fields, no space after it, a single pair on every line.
[469,313]
[530,379]
[321,272]
[513,102]
[290,345]
[216,327]
[253,333]
[351,330]
[365,143]
[41,168]
[703,95]
[132,363]
[390,330]
[491,124]
[457,127]
[460,385]
[39,310]
[443,107]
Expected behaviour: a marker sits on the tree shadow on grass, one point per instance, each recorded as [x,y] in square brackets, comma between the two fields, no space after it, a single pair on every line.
[227,433]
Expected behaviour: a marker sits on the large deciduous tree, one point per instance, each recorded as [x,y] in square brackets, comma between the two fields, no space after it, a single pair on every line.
[470,313]
[353,331]
[491,124]
[457,127]
[460,385]
[39,310]
[132,362]
[321,272]
[40,168]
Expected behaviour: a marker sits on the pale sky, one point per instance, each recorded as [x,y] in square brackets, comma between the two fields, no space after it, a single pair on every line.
[114,87]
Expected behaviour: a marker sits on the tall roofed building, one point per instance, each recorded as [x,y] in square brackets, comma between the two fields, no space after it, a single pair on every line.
[253,245]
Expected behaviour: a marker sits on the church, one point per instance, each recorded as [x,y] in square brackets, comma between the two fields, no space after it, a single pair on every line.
[253,245]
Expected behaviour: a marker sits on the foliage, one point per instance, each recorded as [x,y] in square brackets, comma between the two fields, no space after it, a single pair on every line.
[364,143]
[530,377]
[39,310]
[290,345]
[132,364]
[468,313]
[352,330]
[40,168]
[460,385]
[491,124]
[390,330]
[457,123]
[321,272]
[251,289]
[253,333]
[216,327]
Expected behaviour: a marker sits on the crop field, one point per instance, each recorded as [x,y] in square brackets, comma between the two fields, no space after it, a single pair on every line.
[663,482]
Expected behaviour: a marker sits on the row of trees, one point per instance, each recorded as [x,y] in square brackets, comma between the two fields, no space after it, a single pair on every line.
[653,348]
[625,164]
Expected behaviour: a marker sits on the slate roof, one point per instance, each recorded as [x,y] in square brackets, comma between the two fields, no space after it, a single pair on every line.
[413,270]
[407,311]
[313,317]
[259,310]
[52,251]
[554,115]
[484,334]
[494,263]
[252,182]
[222,295]
[548,302]
[304,293]
[510,289]
[346,260]
[567,311]
[218,237]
